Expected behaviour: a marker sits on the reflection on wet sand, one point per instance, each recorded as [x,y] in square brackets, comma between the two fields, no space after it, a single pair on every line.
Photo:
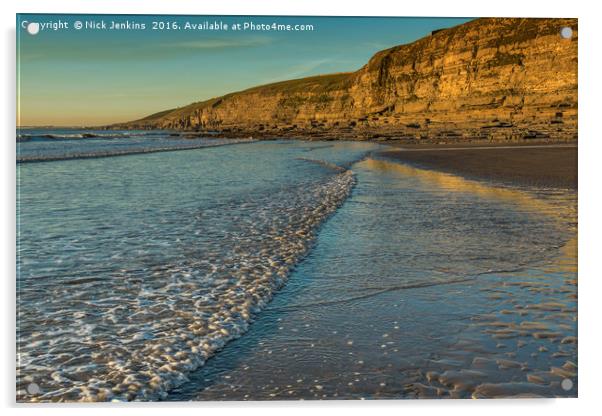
[422,285]
[526,345]
[453,183]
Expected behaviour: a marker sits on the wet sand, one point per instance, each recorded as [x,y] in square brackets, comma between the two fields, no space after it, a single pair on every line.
[548,166]
[422,284]
[477,300]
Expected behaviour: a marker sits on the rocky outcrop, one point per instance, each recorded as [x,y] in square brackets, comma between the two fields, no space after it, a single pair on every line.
[491,78]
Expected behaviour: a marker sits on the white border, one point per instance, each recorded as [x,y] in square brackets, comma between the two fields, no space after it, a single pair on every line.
[590,150]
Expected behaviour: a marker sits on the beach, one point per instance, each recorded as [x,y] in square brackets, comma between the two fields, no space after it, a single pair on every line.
[422,285]
[541,165]
[290,269]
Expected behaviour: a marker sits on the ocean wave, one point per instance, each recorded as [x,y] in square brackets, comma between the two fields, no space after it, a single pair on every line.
[25,137]
[137,334]
[132,151]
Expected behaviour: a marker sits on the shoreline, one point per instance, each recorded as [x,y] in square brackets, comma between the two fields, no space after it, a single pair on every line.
[553,166]
[471,134]
[538,163]
[364,335]
[377,360]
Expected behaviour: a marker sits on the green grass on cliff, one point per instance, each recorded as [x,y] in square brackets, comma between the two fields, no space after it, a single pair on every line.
[330,82]
[318,83]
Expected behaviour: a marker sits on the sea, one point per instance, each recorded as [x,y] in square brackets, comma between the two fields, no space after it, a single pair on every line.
[156,266]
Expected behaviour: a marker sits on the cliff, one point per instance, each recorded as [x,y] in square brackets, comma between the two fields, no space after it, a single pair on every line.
[491,78]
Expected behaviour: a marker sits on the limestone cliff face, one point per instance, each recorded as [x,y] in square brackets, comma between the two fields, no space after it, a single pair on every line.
[488,73]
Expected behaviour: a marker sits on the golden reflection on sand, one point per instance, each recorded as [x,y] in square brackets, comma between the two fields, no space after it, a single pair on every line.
[455,183]
[564,213]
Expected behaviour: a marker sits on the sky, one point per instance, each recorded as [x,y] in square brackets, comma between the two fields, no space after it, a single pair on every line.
[90,77]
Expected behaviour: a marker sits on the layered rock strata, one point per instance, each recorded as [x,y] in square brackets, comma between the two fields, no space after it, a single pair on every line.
[495,79]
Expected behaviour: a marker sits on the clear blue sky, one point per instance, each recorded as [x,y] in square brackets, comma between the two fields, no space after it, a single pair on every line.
[90,77]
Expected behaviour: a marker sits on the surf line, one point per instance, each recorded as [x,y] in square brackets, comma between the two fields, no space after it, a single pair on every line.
[79,156]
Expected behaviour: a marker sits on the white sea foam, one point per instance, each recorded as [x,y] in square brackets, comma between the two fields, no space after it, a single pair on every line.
[136,334]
